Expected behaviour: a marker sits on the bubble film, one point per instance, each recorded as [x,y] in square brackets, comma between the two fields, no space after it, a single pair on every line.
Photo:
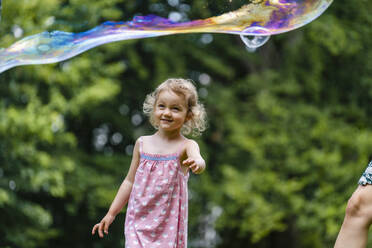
[258,18]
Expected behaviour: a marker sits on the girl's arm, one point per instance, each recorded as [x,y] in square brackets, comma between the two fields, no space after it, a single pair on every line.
[194,160]
[121,197]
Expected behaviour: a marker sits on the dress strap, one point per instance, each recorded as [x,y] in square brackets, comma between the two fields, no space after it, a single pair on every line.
[140,144]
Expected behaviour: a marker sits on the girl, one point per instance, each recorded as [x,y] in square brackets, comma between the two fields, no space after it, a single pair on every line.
[358,217]
[156,184]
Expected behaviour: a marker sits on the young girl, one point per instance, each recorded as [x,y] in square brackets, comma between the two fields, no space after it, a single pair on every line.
[156,183]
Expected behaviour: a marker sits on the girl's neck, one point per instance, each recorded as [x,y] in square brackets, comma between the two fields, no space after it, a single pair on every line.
[172,135]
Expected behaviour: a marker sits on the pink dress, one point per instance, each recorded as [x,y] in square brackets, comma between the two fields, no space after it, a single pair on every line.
[158,204]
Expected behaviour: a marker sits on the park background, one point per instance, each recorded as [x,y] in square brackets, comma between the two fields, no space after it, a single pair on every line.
[289,125]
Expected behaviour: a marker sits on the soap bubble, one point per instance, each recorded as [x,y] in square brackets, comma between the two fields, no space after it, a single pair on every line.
[254,22]
[254,41]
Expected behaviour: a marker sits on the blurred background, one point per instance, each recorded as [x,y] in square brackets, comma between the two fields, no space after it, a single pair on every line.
[289,125]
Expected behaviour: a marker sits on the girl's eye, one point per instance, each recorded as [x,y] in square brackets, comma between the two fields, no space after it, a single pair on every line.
[161,105]
[175,108]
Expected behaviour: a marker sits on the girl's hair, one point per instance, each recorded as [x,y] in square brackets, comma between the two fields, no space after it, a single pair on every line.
[197,123]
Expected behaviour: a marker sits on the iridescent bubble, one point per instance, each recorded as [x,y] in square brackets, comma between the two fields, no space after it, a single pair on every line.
[260,19]
[259,38]
[43,48]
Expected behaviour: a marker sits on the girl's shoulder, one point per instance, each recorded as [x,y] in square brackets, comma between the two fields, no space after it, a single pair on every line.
[144,137]
[190,143]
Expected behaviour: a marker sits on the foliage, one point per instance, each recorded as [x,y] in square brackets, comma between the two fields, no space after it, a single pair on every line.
[288,135]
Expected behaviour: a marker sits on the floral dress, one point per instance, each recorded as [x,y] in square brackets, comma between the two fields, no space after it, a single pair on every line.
[158,204]
[367,175]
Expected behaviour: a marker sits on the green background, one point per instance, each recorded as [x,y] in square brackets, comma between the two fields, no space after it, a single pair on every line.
[289,126]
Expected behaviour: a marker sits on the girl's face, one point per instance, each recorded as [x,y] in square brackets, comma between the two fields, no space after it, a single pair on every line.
[170,111]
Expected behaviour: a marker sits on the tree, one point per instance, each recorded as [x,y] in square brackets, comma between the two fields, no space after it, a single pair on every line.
[288,126]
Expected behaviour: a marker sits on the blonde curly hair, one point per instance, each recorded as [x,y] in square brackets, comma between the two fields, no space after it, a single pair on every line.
[197,123]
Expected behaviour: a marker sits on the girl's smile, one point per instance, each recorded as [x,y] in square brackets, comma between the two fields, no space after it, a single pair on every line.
[164,120]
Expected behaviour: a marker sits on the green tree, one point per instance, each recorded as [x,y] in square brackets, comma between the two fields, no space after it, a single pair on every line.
[288,135]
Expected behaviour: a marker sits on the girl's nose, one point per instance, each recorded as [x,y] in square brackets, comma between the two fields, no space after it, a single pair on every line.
[166,112]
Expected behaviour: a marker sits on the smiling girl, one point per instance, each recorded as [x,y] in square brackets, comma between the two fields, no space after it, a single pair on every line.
[155,187]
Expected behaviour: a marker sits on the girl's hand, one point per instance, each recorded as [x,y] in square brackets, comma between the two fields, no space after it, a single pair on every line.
[103,225]
[191,163]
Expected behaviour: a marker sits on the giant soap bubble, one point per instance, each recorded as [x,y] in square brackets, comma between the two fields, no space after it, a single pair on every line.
[258,19]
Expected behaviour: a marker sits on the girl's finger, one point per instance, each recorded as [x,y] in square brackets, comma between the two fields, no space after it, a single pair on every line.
[94,229]
[186,161]
[101,225]
[106,228]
